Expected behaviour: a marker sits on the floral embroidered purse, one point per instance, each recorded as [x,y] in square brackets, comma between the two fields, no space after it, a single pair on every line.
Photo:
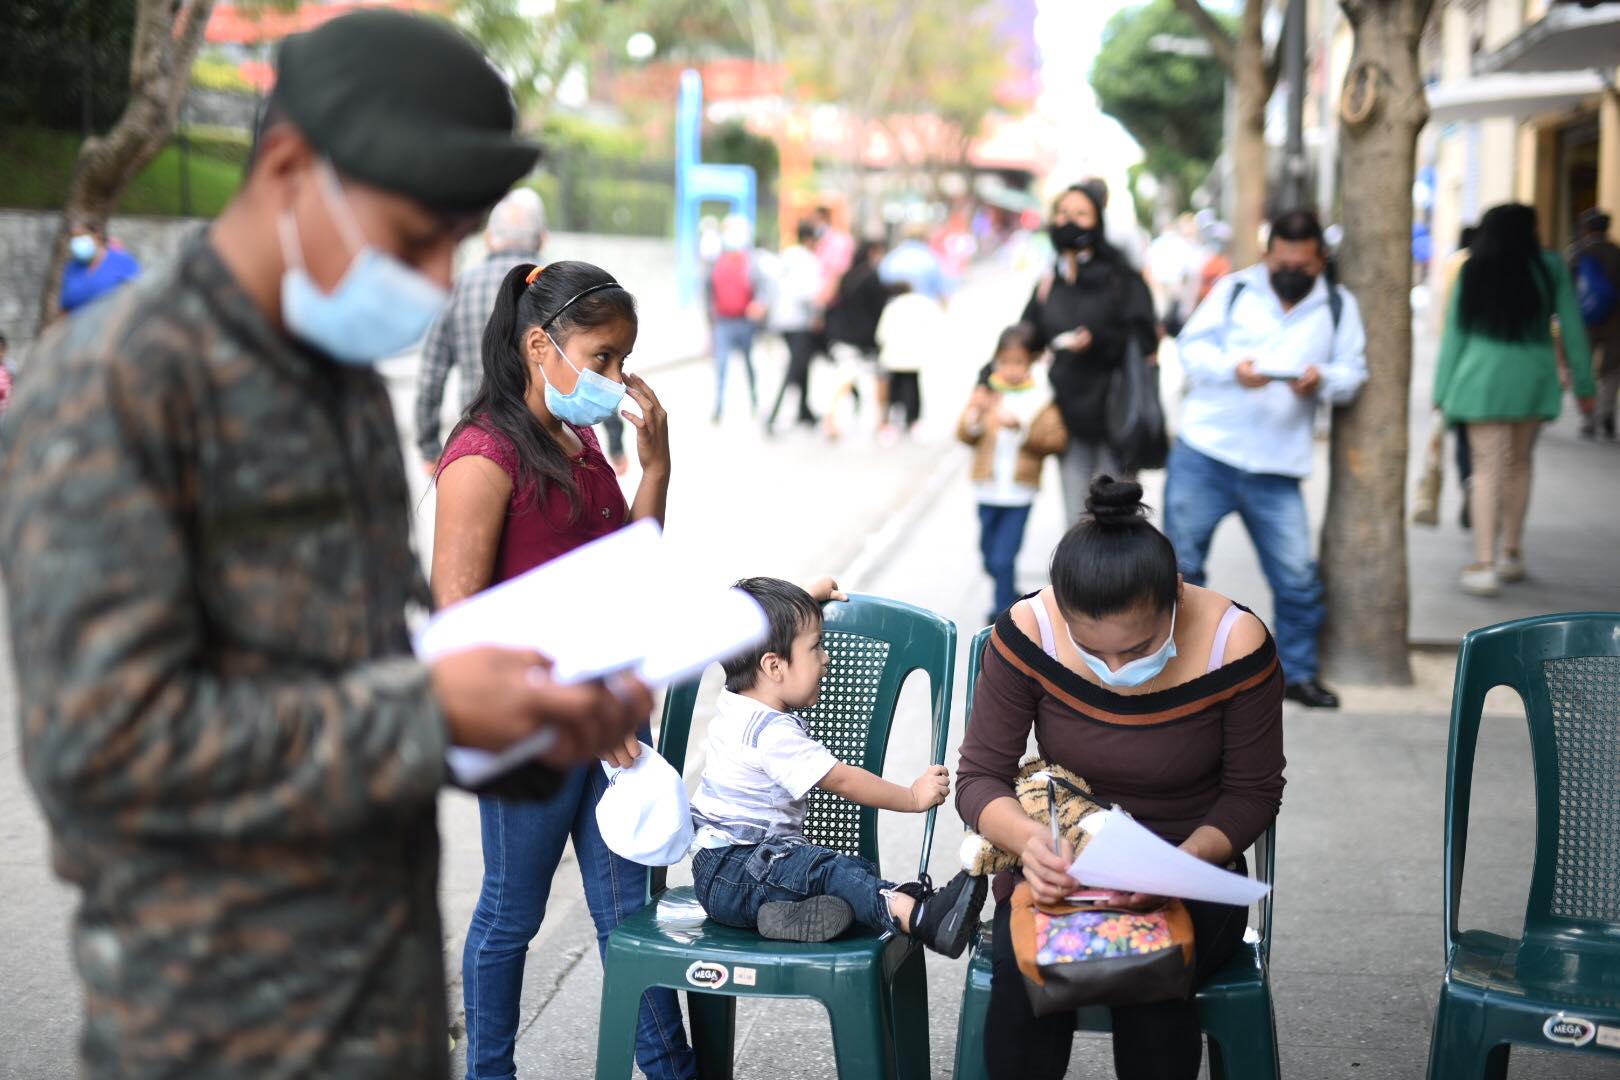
[1075,955]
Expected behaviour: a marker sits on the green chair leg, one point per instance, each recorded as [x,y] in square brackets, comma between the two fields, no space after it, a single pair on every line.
[1243,1040]
[908,1004]
[714,1033]
[1459,1049]
[863,1035]
[971,1023]
[616,1031]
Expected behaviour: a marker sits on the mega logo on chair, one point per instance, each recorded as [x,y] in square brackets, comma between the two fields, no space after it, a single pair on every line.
[707,976]
[1570,1030]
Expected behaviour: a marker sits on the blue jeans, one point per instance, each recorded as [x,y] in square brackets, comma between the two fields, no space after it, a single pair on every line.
[1199,491]
[732,336]
[1001,534]
[732,882]
[523,843]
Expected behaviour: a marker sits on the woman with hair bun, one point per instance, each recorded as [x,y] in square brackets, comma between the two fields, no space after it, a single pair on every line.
[1167,698]
[522,480]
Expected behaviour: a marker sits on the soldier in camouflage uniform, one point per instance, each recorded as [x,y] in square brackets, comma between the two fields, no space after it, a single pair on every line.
[204,527]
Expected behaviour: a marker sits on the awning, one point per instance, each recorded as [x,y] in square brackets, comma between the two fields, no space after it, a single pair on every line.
[1568,38]
[1485,97]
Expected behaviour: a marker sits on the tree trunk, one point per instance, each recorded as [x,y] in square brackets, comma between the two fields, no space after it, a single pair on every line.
[1364,536]
[1253,80]
[168,34]
[1251,89]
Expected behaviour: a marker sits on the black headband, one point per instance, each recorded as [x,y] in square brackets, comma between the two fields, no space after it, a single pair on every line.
[578,296]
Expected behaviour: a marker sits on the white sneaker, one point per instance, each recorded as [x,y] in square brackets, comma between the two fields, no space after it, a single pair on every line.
[1480,581]
[1510,568]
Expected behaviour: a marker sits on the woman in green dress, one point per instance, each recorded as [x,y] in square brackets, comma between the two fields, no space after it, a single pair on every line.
[1498,373]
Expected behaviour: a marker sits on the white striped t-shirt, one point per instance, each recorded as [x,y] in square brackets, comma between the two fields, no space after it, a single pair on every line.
[760,769]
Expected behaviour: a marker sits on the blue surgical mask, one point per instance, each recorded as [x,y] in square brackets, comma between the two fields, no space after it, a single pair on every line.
[1137,671]
[83,247]
[595,397]
[381,306]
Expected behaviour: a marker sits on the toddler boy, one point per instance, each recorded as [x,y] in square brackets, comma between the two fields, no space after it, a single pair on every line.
[753,868]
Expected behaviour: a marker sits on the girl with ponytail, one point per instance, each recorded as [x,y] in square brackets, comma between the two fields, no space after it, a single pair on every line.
[522,481]
[1167,699]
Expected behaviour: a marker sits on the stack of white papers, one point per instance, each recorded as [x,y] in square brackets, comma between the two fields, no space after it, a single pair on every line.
[621,604]
[1124,856]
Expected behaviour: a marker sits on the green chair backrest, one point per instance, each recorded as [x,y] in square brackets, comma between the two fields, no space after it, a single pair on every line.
[1566,668]
[873,644]
[1265,848]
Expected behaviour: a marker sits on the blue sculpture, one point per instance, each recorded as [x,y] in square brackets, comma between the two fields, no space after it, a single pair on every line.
[697,183]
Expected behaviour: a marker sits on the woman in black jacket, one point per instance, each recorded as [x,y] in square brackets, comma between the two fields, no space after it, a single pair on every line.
[1087,312]
[852,320]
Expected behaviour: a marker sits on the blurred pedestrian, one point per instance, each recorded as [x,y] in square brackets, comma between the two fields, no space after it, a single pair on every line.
[205,536]
[1089,312]
[852,321]
[5,374]
[1174,261]
[916,265]
[96,266]
[737,291]
[835,251]
[1594,260]
[1218,242]
[515,233]
[910,336]
[524,481]
[1269,345]
[1498,372]
[1013,426]
[795,309]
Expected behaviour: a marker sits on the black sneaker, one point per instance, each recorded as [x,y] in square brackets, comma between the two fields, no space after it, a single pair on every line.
[1311,694]
[944,919]
[819,918]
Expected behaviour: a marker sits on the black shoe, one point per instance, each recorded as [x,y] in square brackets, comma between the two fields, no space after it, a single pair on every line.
[944,920]
[820,918]
[1311,694]
[1608,429]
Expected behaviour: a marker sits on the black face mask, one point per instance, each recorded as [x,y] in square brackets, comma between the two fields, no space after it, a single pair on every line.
[1291,285]
[1071,237]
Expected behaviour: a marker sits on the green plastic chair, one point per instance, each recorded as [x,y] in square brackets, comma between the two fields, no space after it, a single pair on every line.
[875,992]
[1560,980]
[1234,1005]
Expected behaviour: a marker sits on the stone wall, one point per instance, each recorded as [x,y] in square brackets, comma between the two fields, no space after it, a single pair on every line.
[25,248]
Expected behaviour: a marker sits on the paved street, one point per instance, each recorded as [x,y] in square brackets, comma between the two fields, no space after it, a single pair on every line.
[1357,956]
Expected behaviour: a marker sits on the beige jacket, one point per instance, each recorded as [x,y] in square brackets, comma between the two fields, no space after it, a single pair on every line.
[1047,435]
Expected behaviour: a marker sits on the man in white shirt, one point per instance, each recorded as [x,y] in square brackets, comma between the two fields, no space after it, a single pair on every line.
[1266,347]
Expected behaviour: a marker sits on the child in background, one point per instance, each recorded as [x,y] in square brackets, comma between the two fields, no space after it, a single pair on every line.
[908,336]
[753,867]
[1012,424]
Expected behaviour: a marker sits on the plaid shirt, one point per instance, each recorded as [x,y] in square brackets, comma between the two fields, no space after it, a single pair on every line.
[455,342]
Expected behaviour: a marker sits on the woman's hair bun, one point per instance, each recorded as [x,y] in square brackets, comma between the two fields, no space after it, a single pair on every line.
[1115,502]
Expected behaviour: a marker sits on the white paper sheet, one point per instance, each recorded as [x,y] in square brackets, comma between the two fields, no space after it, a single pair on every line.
[1123,855]
[624,603]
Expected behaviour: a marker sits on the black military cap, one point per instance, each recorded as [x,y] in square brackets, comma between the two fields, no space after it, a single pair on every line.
[405,103]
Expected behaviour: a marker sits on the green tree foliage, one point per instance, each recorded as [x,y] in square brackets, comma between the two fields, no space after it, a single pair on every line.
[62,56]
[1170,102]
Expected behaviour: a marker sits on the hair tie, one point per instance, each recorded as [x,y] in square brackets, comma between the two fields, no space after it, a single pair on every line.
[532,275]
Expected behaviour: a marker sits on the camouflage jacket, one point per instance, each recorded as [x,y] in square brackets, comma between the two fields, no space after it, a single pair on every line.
[204,534]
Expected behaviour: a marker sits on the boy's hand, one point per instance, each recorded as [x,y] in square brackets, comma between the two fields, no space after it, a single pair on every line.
[823,589]
[930,789]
